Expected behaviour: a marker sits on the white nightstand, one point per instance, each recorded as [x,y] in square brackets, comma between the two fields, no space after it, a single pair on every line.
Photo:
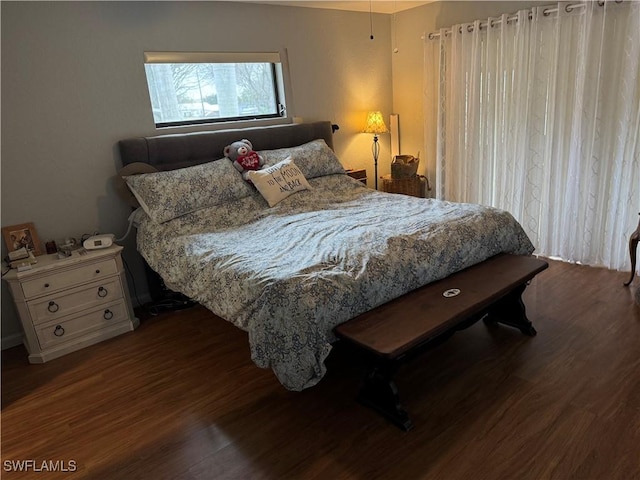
[68,304]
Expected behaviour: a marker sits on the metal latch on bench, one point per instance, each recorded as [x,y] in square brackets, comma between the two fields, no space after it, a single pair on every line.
[452,292]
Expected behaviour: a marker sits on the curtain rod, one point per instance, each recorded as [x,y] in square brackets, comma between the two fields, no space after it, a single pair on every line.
[546,11]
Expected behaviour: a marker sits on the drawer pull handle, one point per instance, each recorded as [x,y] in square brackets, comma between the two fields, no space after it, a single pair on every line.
[108,314]
[98,271]
[102,292]
[46,285]
[59,331]
[53,307]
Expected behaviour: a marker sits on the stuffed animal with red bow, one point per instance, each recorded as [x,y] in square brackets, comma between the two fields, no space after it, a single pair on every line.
[243,157]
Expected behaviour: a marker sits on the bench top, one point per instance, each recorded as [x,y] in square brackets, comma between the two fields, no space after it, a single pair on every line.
[395,327]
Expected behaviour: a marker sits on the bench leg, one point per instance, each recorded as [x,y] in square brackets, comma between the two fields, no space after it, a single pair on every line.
[511,311]
[380,393]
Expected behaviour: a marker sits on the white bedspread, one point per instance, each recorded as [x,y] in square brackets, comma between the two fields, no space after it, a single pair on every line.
[289,274]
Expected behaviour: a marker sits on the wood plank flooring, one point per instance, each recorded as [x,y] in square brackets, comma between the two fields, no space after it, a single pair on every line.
[179,398]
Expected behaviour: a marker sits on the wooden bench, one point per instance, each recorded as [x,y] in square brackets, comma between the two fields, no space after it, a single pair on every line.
[406,326]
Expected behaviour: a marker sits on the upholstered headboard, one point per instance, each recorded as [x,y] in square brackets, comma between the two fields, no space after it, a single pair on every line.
[168,152]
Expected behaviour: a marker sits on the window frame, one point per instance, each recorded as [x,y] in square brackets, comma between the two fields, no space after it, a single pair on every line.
[278,62]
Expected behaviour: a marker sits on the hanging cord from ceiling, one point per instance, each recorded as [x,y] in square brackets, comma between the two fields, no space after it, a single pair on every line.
[395,27]
[370,20]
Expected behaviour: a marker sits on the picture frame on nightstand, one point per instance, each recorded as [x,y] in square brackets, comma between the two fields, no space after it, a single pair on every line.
[20,236]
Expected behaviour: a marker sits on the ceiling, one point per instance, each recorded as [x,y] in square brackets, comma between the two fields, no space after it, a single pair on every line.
[376,6]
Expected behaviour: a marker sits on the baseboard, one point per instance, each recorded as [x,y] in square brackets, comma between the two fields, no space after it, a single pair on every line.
[11,341]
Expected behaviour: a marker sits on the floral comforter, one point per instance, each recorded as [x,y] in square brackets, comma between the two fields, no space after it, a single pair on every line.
[289,274]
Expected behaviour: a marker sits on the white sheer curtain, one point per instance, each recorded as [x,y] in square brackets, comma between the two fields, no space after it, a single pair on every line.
[540,115]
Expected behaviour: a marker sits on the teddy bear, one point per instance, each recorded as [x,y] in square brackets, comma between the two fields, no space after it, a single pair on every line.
[243,157]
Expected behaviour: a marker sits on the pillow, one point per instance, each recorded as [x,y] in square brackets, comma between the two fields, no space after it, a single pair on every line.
[277,182]
[170,194]
[122,189]
[315,159]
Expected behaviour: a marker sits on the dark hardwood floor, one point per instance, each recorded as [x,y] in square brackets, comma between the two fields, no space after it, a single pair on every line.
[179,398]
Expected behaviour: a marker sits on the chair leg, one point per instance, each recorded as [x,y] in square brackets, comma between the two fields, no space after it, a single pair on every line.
[633,246]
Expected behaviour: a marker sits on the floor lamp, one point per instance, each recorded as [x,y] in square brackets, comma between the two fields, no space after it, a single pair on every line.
[375,124]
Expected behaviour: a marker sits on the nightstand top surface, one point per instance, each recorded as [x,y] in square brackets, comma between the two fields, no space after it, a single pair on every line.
[51,262]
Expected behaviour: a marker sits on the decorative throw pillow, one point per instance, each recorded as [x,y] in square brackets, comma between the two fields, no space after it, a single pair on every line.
[315,158]
[171,194]
[277,182]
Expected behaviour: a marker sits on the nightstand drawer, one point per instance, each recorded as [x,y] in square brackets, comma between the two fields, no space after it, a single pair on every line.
[69,278]
[51,307]
[71,328]
[360,175]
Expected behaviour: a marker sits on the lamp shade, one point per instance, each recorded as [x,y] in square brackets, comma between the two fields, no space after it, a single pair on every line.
[375,123]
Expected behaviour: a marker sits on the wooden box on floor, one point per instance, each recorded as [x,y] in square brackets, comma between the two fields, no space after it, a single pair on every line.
[415,186]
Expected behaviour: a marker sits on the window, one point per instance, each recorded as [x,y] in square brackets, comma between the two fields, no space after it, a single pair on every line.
[207,87]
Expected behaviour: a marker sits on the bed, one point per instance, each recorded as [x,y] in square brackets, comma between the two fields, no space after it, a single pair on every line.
[288,274]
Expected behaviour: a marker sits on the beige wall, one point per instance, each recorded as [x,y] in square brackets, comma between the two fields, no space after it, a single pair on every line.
[407,30]
[73,85]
